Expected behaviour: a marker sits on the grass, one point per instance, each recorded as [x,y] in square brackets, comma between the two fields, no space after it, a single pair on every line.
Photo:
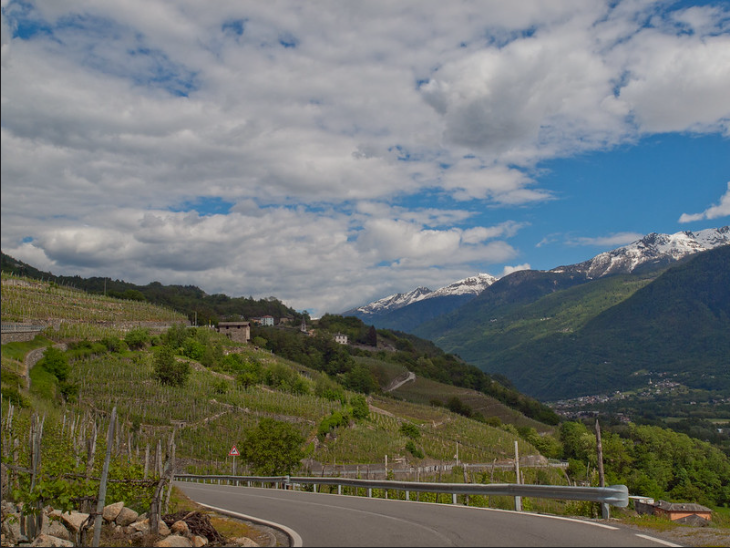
[424,391]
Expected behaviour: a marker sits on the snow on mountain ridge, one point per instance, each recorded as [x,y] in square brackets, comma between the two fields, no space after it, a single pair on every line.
[393,302]
[471,285]
[651,248]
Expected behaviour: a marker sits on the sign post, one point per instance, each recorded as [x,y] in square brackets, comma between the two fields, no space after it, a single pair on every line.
[234,453]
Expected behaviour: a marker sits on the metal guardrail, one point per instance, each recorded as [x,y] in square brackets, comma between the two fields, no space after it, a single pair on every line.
[615,495]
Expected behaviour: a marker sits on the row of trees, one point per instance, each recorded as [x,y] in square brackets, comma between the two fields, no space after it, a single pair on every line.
[652,461]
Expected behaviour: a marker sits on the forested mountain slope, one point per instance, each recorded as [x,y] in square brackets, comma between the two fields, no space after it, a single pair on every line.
[555,341]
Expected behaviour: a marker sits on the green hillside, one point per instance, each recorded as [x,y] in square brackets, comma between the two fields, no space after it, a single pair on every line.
[189,300]
[213,394]
[603,335]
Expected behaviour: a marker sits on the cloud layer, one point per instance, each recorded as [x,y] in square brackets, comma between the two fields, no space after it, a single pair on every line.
[350,150]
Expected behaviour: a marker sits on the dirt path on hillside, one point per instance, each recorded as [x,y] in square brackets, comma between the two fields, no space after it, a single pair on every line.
[398,382]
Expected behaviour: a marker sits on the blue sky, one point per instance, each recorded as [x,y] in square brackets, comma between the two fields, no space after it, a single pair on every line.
[331,154]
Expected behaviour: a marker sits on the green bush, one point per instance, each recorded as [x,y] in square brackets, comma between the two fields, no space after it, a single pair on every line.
[138,338]
[168,370]
[360,408]
[413,450]
[55,362]
[410,430]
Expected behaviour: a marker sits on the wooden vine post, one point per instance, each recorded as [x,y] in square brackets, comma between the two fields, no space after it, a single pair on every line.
[102,483]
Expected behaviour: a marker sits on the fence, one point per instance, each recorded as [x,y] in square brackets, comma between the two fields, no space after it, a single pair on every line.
[615,495]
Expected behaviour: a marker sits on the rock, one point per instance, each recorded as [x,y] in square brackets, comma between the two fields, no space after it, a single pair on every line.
[144,527]
[199,541]
[174,541]
[11,528]
[141,526]
[111,511]
[180,528]
[54,528]
[244,541]
[126,516]
[49,540]
[74,520]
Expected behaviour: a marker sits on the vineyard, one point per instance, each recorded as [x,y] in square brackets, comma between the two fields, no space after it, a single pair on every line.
[206,415]
[26,301]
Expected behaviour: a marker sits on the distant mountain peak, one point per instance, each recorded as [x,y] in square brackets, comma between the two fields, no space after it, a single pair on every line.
[652,249]
[473,285]
[393,302]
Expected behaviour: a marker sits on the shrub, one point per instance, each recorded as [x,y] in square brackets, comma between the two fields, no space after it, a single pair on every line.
[55,362]
[168,370]
[360,408]
[410,430]
[137,339]
[413,450]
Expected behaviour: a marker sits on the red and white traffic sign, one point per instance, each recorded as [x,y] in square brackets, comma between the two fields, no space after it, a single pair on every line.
[233,452]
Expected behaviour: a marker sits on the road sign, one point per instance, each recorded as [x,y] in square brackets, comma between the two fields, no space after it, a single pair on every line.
[233,452]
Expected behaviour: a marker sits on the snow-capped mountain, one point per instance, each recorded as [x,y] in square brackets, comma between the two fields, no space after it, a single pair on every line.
[394,302]
[473,285]
[653,249]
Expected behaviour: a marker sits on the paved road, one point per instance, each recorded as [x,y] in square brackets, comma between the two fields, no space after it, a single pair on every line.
[334,520]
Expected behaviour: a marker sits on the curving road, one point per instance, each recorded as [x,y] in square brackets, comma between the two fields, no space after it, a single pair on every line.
[333,520]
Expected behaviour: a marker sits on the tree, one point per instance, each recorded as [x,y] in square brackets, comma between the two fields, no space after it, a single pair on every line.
[273,448]
[55,362]
[360,379]
[168,370]
[360,408]
[138,338]
[372,337]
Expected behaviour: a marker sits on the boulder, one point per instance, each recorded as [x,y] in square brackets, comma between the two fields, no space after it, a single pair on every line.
[11,527]
[199,541]
[180,528]
[174,541]
[126,516]
[74,520]
[49,540]
[54,528]
[111,511]
[144,526]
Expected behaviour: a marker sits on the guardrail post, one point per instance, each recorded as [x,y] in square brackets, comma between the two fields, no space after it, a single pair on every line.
[453,498]
[339,489]
[370,492]
[408,495]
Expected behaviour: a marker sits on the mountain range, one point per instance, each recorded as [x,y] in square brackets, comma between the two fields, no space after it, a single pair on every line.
[658,306]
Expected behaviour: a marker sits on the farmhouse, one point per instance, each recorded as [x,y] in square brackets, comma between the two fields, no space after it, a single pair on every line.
[676,511]
[236,331]
[340,338]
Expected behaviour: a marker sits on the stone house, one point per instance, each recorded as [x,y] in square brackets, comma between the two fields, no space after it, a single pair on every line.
[340,338]
[236,331]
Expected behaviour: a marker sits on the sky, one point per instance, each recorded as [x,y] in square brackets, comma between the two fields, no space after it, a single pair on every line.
[332,153]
